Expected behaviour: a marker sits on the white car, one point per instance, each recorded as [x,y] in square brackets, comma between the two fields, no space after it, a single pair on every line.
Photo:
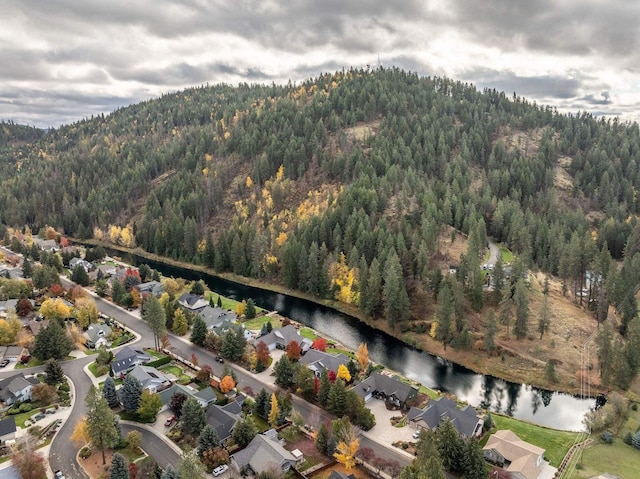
[220,470]
[416,435]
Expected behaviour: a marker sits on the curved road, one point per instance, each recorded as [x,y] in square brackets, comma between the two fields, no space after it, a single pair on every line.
[63,454]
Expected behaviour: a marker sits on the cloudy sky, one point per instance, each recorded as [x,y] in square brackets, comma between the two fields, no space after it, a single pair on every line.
[63,60]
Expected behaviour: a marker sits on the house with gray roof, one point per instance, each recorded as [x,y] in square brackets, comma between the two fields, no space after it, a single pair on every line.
[13,353]
[150,378]
[205,396]
[7,306]
[192,302]
[7,430]
[214,317]
[224,418]
[520,459]
[262,454]
[128,358]
[319,361]
[388,388]
[73,262]
[150,287]
[46,245]
[465,420]
[96,335]
[16,388]
[279,338]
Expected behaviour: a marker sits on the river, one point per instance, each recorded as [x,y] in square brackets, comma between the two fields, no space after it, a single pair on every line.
[521,401]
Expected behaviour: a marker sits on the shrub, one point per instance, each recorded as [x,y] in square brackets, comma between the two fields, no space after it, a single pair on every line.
[64,387]
[25,407]
[607,437]
[634,406]
[85,452]
[628,438]
[159,362]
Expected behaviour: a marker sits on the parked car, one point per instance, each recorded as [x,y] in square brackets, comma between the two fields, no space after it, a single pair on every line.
[416,435]
[220,359]
[170,420]
[58,474]
[220,470]
[4,363]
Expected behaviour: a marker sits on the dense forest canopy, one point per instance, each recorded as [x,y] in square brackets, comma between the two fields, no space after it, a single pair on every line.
[343,185]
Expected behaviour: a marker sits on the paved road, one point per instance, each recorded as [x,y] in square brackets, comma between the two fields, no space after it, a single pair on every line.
[157,449]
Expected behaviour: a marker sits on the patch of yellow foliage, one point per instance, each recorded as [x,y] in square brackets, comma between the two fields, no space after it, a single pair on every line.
[345,281]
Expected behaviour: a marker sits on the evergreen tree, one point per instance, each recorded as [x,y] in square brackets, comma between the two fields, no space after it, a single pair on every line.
[80,276]
[154,315]
[193,418]
[445,310]
[199,331]
[170,473]
[250,310]
[197,288]
[337,400]
[322,438]
[119,468]
[130,394]
[244,432]
[262,404]
[450,447]
[118,292]
[209,252]
[53,373]
[27,268]
[233,344]
[371,300]
[473,464]
[109,392]
[394,293]
[491,331]
[52,342]
[604,340]
[284,371]
[324,388]
[544,320]
[521,301]
[208,440]
[102,425]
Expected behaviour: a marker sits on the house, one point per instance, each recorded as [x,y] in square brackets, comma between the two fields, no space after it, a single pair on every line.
[8,430]
[13,353]
[519,458]
[150,287]
[205,396]
[7,306]
[79,261]
[96,335]
[46,245]
[35,326]
[340,475]
[11,273]
[128,358]
[465,420]
[192,302]
[227,326]
[224,418]
[389,388]
[150,378]
[16,388]
[214,317]
[263,453]
[319,361]
[281,337]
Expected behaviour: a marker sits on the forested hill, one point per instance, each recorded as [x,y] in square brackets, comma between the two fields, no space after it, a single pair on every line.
[343,186]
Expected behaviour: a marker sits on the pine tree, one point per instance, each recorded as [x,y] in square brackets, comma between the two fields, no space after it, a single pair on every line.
[337,399]
[250,310]
[170,473]
[244,432]
[208,440]
[284,371]
[119,468]
[193,418]
[262,404]
[154,315]
[80,276]
[521,301]
[473,464]
[109,392]
[490,334]
[130,394]
[322,438]
[450,446]
[52,342]
[101,423]
[324,388]
[199,331]
[54,373]
[394,293]
[445,310]
[544,320]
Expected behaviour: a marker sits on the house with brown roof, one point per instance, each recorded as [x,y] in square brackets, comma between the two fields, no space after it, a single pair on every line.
[517,457]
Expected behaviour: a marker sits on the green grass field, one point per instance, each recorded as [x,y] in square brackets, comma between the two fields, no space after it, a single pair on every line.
[556,443]
[618,459]
[256,323]
[507,256]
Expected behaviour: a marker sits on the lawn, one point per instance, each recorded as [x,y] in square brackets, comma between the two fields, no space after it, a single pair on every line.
[256,323]
[507,256]
[227,303]
[617,458]
[308,333]
[556,443]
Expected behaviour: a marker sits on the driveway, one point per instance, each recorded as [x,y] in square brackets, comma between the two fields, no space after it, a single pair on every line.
[384,431]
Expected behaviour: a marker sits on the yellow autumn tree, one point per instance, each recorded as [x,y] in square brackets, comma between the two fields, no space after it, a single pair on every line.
[274,412]
[55,309]
[344,281]
[80,435]
[362,355]
[126,236]
[114,234]
[343,373]
[282,238]
[50,233]
[227,384]
[171,286]
[249,182]
[86,311]
[241,308]
[9,330]
[346,453]
[180,324]
[97,233]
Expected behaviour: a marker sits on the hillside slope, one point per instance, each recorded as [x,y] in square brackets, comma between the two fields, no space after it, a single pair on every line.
[344,187]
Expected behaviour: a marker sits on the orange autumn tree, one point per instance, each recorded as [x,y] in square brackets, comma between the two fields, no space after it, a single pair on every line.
[293,350]
[227,384]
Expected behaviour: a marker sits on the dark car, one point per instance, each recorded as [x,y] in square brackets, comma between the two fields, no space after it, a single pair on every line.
[220,359]
[4,363]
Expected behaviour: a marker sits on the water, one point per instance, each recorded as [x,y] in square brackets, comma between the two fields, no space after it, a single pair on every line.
[522,401]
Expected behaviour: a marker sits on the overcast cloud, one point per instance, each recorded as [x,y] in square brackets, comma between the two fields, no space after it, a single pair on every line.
[64,60]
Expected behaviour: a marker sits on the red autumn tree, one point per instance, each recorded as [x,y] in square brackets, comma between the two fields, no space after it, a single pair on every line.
[263,355]
[320,344]
[294,351]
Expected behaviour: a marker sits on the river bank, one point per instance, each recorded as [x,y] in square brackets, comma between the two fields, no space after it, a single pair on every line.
[512,364]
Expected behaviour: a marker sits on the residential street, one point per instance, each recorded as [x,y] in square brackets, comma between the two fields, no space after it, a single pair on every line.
[63,453]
